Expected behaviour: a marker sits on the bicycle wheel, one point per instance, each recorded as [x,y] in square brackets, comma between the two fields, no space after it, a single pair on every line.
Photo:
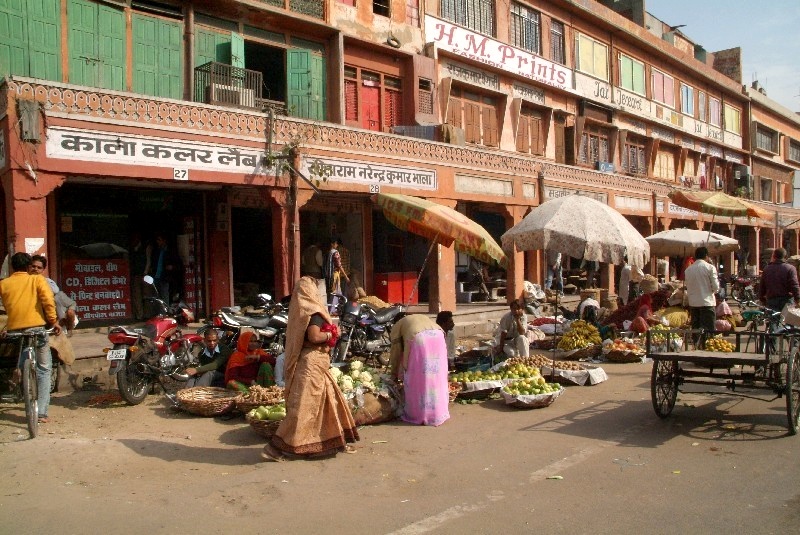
[30,394]
[664,386]
[793,391]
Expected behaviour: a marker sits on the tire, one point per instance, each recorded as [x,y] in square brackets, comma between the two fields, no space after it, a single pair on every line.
[736,293]
[793,391]
[133,386]
[30,394]
[55,374]
[664,386]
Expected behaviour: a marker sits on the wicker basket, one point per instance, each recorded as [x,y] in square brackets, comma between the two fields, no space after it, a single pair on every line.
[589,352]
[265,428]
[245,404]
[207,400]
[455,389]
[623,356]
[546,343]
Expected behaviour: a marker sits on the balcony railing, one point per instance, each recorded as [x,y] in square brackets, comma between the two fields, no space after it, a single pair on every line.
[312,8]
[225,85]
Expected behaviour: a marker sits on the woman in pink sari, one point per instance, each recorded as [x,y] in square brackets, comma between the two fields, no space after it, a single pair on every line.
[419,359]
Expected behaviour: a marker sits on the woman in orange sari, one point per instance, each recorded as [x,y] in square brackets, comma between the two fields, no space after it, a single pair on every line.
[318,421]
[249,365]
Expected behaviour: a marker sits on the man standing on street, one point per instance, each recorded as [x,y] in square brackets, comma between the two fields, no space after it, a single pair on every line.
[779,283]
[29,303]
[701,285]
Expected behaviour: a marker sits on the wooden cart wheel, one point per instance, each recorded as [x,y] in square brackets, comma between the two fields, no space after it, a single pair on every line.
[793,390]
[664,386]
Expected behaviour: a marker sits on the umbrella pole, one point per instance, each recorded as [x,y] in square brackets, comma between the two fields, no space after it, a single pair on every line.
[421,270]
[711,226]
[555,328]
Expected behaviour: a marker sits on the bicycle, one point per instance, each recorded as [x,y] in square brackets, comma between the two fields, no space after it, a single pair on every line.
[26,363]
[764,324]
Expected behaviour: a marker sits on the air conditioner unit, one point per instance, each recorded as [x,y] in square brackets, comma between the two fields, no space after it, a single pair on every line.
[229,95]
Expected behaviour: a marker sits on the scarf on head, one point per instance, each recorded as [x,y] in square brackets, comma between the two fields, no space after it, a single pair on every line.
[304,304]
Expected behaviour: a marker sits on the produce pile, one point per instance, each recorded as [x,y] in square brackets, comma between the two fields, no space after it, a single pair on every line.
[271,395]
[624,345]
[580,335]
[268,412]
[718,343]
[359,377]
[512,371]
[540,361]
[543,321]
[628,312]
[531,387]
[659,334]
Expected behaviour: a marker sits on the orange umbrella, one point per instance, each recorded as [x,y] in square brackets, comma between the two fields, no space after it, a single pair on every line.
[441,224]
[716,203]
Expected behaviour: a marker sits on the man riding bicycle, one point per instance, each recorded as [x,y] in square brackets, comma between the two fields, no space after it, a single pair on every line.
[29,303]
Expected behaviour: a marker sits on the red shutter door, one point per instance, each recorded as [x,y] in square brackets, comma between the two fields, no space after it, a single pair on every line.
[370,107]
[523,134]
[351,100]
[454,113]
[393,110]
[489,126]
[472,124]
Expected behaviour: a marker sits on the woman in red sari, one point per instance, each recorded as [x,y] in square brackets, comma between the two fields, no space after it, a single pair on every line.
[318,420]
[249,365]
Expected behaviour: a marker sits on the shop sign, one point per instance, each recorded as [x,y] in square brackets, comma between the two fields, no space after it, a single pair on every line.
[472,76]
[357,172]
[477,47]
[555,193]
[99,287]
[680,210]
[592,88]
[87,145]
[734,157]
[660,207]
[528,93]
[632,102]
[636,204]
[714,151]
[2,149]
[662,134]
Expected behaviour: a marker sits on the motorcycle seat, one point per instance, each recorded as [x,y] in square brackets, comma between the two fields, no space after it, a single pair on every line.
[250,321]
[387,314]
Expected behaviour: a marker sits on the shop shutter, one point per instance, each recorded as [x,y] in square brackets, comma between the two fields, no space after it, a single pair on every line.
[393,109]
[472,122]
[157,57]
[82,39]
[351,100]
[44,38]
[96,45]
[523,135]
[305,84]
[14,44]
[489,126]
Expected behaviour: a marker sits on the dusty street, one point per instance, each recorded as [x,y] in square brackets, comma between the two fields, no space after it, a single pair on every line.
[718,463]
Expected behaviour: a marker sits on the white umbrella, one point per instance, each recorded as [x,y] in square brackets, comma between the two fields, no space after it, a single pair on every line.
[580,227]
[683,242]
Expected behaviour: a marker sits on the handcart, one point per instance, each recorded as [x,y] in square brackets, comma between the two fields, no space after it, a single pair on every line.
[773,367]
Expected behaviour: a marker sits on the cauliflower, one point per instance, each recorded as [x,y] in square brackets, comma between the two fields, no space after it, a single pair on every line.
[355,374]
[346,380]
[365,377]
[335,373]
[356,365]
[368,385]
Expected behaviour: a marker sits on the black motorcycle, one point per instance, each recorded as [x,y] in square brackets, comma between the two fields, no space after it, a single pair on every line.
[364,332]
[269,320]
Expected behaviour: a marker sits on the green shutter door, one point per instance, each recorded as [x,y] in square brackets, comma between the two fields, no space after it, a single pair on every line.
[82,38]
[157,64]
[13,45]
[44,38]
[111,51]
[305,95]
[211,46]
[237,50]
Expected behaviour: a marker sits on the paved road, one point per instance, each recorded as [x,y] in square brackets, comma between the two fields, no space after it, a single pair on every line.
[719,464]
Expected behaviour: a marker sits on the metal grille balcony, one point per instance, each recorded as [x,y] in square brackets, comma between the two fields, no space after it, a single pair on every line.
[312,8]
[225,85]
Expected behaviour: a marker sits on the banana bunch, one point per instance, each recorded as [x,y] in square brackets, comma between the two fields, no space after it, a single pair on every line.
[579,335]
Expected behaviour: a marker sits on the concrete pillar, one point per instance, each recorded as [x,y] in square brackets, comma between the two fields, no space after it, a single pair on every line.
[442,279]
[515,275]
[755,249]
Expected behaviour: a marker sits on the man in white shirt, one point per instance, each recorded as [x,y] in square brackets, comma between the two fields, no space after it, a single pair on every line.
[701,285]
[554,271]
[512,336]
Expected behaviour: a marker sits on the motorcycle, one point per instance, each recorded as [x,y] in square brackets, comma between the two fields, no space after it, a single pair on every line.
[743,289]
[270,323]
[142,357]
[364,331]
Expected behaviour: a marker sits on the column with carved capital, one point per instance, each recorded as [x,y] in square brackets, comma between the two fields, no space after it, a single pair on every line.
[286,237]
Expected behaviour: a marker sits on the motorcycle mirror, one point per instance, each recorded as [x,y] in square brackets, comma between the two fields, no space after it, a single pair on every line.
[148,279]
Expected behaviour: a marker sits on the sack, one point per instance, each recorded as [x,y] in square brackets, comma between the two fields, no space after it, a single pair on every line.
[374,409]
[63,346]
[791,314]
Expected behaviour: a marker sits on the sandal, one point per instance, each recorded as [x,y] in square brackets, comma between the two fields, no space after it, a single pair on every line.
[44,420]
[349,449]
[273,454]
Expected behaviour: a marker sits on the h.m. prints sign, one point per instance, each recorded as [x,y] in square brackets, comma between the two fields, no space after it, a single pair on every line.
[86,145]
[477,47]
[358,172]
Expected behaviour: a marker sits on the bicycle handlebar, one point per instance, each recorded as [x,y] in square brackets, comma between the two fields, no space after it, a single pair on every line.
[33,331]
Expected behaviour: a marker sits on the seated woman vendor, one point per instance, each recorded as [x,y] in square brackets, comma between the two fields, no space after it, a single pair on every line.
[646,310]
[249,365]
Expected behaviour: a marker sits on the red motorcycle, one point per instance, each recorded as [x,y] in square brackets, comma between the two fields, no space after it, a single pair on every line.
[744,289]
[142,357]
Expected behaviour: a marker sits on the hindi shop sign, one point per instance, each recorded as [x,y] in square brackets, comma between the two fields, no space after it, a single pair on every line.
[86,145]
[477,47]
[357,172]
[99,287]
